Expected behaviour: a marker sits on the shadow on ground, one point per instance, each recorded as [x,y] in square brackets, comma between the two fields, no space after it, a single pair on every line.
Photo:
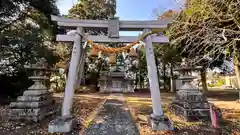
[23,127]
[224,95]
[82,108]
[141,107]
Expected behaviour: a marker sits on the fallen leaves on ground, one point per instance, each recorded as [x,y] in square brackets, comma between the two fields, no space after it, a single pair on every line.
[140,109]
[82,108]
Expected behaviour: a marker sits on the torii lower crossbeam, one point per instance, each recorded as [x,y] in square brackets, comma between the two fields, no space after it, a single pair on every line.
[106,39]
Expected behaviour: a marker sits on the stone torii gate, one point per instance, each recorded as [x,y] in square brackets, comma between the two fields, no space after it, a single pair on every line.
[65,122]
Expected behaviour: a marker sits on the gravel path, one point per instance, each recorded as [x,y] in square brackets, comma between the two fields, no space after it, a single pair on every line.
[113,118]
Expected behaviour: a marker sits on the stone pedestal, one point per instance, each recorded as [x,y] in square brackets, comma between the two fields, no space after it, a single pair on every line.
[63,124]
[189,103]
[35,103]
[160,123]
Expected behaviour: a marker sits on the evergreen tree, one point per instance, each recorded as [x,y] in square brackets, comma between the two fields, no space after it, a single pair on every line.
[12,11]
[26,31]
[93,9]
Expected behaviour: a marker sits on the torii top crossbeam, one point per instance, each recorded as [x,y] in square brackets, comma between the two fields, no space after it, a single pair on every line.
[114,26]
[123,25]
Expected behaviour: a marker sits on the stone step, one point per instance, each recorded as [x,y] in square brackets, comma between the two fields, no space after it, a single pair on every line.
[35,92]
[192,93]
[178,107]
[34,118]
[29,104]
[27,118]
[33,98]
[192,106]
[188,113]
[29,112]
[190,97]
[190,103]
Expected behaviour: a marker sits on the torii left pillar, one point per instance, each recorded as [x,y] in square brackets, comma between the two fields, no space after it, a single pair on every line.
[66,121]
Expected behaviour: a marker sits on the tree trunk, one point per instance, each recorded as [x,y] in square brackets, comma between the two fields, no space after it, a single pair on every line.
[98,74]
[95,76]
[237,72]
[140,79]
[158,74]
[173,83]
[136,80]
[204,80]
[164,76]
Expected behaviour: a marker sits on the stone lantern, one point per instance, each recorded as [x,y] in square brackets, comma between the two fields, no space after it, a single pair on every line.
[190,103]
[36,102]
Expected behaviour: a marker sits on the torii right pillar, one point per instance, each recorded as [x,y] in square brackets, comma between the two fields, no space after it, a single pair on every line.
[157,120]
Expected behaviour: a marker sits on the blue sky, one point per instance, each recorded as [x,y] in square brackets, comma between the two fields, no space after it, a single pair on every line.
[132,9]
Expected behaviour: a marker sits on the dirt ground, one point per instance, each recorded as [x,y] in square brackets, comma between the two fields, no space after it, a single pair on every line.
[83,108]
[140,105]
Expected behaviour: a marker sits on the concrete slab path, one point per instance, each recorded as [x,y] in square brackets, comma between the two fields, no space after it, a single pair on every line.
[114,118]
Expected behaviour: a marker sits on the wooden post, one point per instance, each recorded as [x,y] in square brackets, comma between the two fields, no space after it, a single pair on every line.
[69,89]
[153,78]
